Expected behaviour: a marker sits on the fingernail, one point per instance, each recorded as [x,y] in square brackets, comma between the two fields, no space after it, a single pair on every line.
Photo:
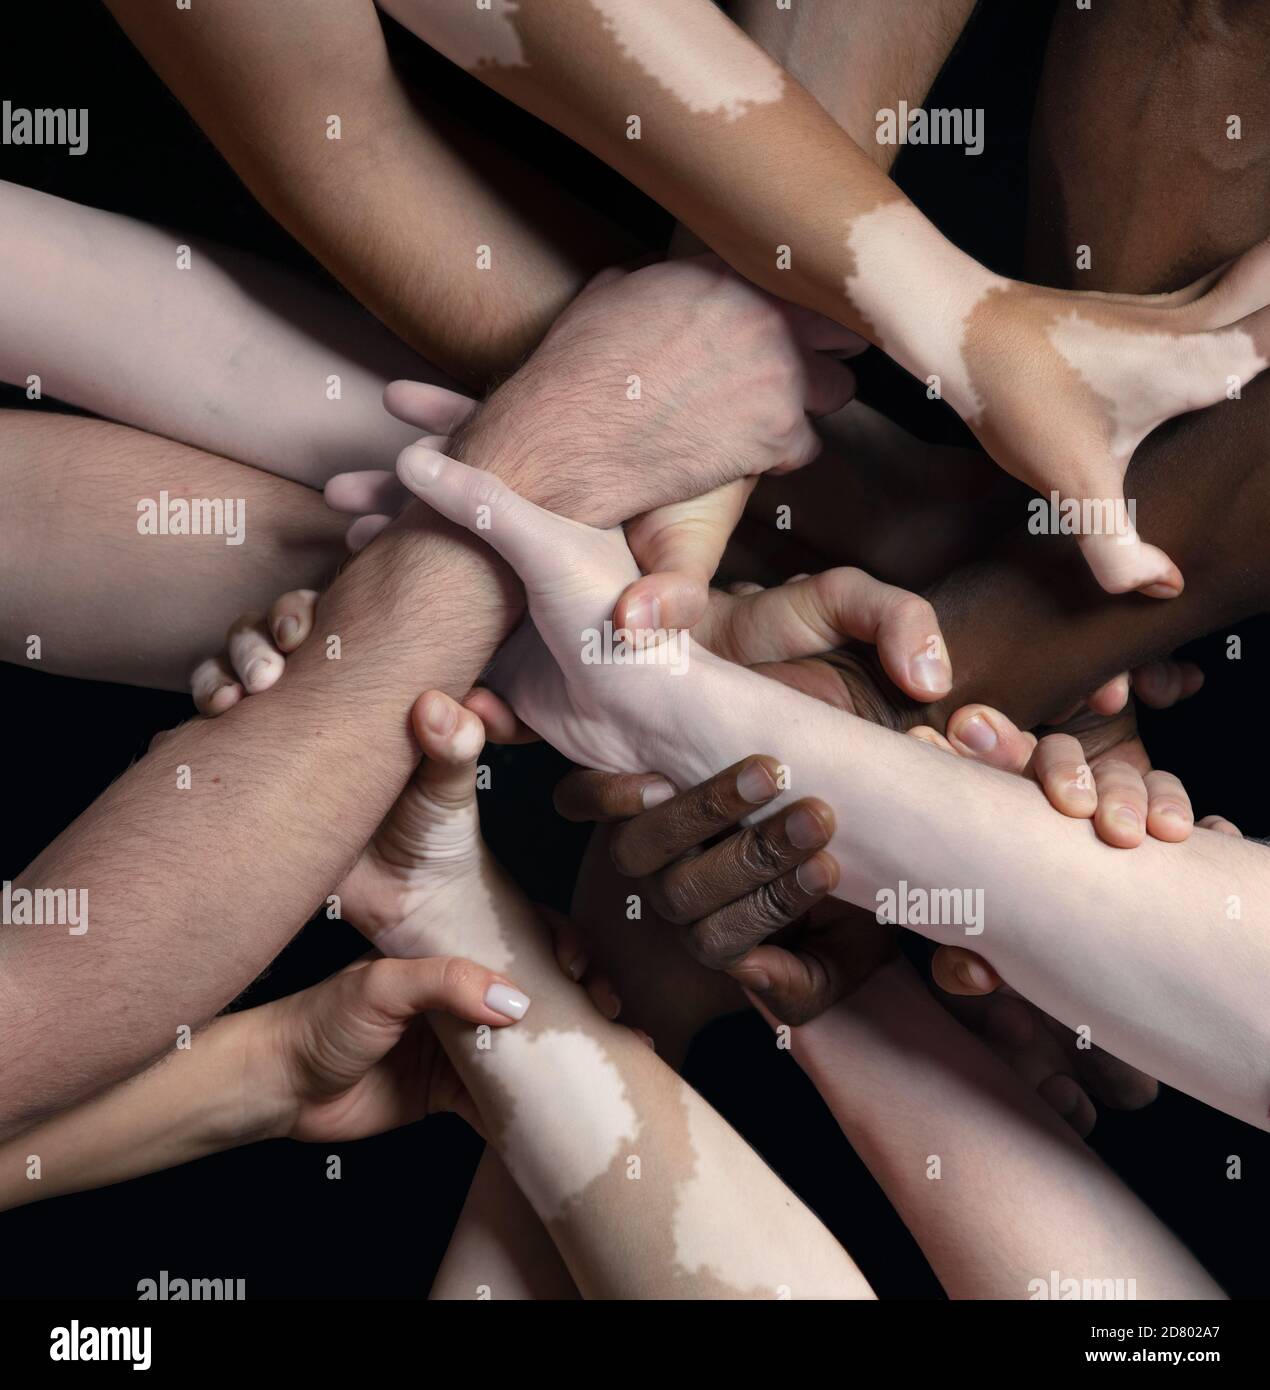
[751,977]
[577,966]
[978,735]
[977,975]
[930,673]
[1172,812]
[615,1004]
[1161,591]
[655,793]
[256,672]
[286,629]
[511,1003]
[804,830]
[1127,816]
[440,716]
[813,876]
[420,465]
[756,783]
[644,614]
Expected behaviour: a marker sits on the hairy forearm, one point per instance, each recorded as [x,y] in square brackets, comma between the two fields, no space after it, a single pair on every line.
[736,149]
[996,1189]
[392,207]
[107,602]
[206,345]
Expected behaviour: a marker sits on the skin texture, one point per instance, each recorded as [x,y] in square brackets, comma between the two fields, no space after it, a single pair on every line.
[1189,1014]
[421,608]
[231,355]
[1109,371]
[72,562]
[906,1082]
[251,78]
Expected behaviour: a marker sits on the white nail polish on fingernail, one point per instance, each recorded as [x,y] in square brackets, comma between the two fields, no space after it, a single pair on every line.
[511,1003]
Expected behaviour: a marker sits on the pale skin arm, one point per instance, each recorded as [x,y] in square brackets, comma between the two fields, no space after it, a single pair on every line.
[109,604]
[1144,949]
[229,354]
[1017,1193]
[395,208]
[635,1178]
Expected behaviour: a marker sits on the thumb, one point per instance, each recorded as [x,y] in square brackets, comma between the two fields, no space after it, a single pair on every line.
[1121,561]
[431,408]
[536,543]
[393,992]
[679,547]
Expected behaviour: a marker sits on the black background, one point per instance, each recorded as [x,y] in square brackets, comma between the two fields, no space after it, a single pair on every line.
[268,1214]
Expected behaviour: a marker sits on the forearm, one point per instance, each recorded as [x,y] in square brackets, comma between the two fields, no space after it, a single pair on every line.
[634,1176]
[110,603]
[737,150]
[857,59]
[278,797]
[995,1187]
[225,352]
[392,206]
[190,1104]
[1160,953]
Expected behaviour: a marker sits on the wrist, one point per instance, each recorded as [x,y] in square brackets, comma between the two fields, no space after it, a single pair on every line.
[248,1094]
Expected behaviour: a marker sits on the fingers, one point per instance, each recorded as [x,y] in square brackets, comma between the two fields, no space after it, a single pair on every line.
[370,490]
[814,615]
[522,533]
[723,938]
[798,984]
[959,971]
[1121,817]
[431,408]
[251,651]
[1124,563]
[986,735]
[364,530]
[1169,813]
[398,990]
[759,856]
[828,384]
[1161,684]
[1108,699]
[1069,1101]
[584,795]
[1059,765]
[642,846]
[679,547]
[1222,826]
[451,738]
[215,686]
[291,618]
[502,725]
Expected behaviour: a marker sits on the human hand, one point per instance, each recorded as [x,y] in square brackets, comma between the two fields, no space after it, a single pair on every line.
[355,1055]
[1104,371]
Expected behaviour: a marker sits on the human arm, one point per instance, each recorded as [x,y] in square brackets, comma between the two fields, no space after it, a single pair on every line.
[394,208]
[214,348]
[109,603]
[350,1057]
[995,1188]
[707,101]
[1181,1002]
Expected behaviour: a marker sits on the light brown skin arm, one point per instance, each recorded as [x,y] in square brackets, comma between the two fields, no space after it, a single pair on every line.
[398,205]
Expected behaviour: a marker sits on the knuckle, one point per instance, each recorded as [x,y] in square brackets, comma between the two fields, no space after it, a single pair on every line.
[758,856]
[458,976]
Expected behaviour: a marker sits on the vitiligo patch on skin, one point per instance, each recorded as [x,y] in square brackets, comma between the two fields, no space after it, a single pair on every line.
[892,246]
[473,38]
[1110,361]
[666,42]
[463,924]
[568,1113]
